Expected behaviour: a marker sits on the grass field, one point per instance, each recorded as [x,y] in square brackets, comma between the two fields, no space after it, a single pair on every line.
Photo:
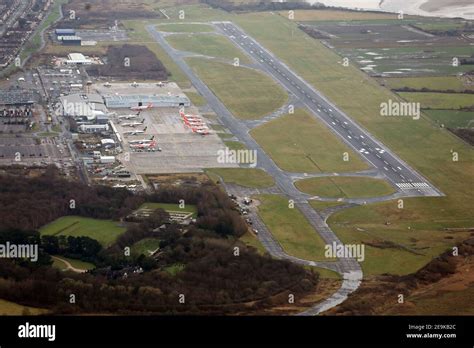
[104,231]
[138,34]
[235,145]
[247,93]
[435,83]
[300,143]
[452,118]
[173,270]
[196,99]
[211,45]
[251,240]
[11,308]
[247,177]
[145,246]
[320,206]
[416,233]
[439,100]
[424,146]
[74,263]
[185,28]
[345,187]
[290,228]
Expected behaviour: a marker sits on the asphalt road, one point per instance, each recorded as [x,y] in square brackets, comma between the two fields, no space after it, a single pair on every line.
[397,172]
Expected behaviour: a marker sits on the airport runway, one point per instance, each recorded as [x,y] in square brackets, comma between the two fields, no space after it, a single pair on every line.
[397,172]
[349,268]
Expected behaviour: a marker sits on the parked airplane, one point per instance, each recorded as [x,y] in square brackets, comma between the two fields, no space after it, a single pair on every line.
[142,141]
[128,117]
[135,132]
[144,146]
[133,124]
[142,107]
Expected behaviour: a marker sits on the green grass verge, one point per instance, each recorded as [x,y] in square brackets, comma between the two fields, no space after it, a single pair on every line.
[290,228]
[247,93]
[345,187]
[211,45]
[247,177]
[300,143]
[104,231]
[249,239]
[439,100]
[185,28]
[235,145]
[196,99]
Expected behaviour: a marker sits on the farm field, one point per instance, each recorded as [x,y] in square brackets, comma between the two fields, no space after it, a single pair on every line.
[439,100]
[247,177]
[185,28]
[300,143]
[290,228]
[211,45]
[248,94]
[452,118]
[434,83]
[345,187]
[104,231]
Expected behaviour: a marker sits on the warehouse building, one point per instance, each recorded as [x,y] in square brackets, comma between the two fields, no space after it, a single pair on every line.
[128,101]
[127,95]
[65,32]
[70,40]
[83,105]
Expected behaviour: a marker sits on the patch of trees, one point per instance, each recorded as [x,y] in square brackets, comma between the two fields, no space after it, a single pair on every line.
[216,282]
[216,212]
[131,62]
[28,204]
[83,248]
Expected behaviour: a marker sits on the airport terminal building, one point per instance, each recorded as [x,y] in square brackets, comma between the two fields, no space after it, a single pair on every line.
[128,101]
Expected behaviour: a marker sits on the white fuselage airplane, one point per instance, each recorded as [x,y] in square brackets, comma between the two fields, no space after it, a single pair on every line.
[141,107]
[127,117]
[133,124]
[150,145]
[142,141]
[137,132]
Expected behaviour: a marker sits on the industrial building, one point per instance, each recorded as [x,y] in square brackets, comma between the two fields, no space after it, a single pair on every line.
[93,128]
[70,40]
[80,105]
[123,95]
[128,101]
[77,58]
[65,32]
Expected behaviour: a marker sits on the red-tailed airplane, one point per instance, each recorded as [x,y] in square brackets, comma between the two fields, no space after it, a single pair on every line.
[142,107]
[142,141]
